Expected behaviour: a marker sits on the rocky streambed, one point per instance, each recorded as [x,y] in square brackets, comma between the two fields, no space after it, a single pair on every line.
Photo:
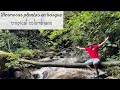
[66,73]
[32,72]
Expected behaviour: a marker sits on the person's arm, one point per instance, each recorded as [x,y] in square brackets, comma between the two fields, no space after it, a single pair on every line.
[80,48]
[103,42]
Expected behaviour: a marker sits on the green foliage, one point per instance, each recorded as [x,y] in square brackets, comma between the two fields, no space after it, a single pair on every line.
[79,28]
[38,54]
[9,60]
[31,54]
[14,64]
[83,26]
[114,71]
[114,57]
[25,53]
[7,40]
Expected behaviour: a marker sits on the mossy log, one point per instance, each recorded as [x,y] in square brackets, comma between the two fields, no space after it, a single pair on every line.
[4,55]
[67,65]
[52,64]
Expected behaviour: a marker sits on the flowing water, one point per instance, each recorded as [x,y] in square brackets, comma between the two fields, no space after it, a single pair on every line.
[66,73]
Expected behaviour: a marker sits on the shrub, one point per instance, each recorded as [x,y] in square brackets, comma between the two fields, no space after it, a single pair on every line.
[114,57]
[115,72]
[25,53]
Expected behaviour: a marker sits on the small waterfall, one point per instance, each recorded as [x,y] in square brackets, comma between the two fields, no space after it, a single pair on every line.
[43,72]
[64,73]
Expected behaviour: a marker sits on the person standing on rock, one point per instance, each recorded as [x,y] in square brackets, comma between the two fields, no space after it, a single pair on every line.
[93,53]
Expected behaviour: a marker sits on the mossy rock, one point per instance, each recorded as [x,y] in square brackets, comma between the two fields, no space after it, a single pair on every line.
[43,56]
[4,57]
[37,54]
[58,54]
[56,50]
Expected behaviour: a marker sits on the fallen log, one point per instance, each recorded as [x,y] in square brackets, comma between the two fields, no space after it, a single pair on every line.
[111,63]
[67,65]
[4,55]
[52,64]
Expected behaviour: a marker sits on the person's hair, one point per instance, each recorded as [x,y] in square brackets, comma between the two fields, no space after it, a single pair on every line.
[89,41]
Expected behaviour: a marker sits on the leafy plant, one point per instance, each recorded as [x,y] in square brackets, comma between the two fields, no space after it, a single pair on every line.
[114,57]
[8,60]
[26,53]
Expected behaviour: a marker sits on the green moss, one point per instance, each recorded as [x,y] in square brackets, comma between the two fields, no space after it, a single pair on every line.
[36,53]
[5,54]
[8,60]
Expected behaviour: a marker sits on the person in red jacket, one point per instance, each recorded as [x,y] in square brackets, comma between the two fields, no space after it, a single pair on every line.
[93,53]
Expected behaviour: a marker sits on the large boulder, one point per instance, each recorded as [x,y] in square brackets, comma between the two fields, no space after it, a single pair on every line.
[70,73]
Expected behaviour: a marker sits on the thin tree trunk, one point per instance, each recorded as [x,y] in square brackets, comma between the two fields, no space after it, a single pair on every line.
[8,42]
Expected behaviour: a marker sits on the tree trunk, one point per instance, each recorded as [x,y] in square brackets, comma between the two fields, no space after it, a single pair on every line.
[8,42]
[51,64]
[67,65]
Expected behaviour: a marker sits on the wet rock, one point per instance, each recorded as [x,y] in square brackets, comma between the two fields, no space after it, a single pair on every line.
[73,60]
[48,59]
[26,74]
[51,57]
[70,73]
[36,76]
[61,56]
[17,74]
[56,57]
[110,77]
[45,73]
[69,60]
[45,59]
[12,73]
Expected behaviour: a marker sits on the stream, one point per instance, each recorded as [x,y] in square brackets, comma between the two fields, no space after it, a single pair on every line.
[66,73]
[33,72]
